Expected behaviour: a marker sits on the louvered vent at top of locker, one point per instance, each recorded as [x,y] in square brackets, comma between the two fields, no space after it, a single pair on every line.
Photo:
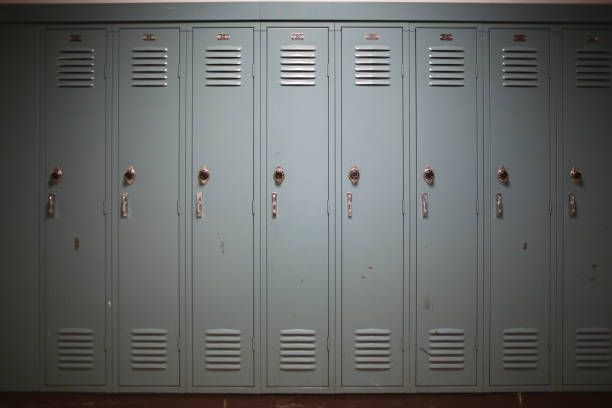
[593,68]
[520,67]
[298,65]
[224,66]
[76,67]
[372,65]
[150,66]
[446,66]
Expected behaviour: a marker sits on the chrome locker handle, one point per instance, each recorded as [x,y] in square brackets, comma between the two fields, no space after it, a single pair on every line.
[274,200]
[199,205]
[499,206]
[124,205]
[572,205]
[425,204]
[51,205]
[349,204]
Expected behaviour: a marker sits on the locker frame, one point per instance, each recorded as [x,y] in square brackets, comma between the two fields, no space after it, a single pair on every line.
[332,206]
[257,216]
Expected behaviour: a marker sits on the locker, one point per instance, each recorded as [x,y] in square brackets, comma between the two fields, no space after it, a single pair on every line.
[587,260]
[519,180]
[223,177]
[297,181]
[372,219]
[148,203]
[447,193]
[75,224]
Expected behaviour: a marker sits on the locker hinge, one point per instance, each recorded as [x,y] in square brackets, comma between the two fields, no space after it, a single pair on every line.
[253,344]
[550,73]
[105,209]
[404,207]
[107,343]
[402,344]
[178,71]
[329,207]
[476,70]
[328,70]
[549,207]
[403,71]
[178,207]
[105,71]
[253,70]
[476,344]
[178,344]
[477,207]
[253,207]
[327,343]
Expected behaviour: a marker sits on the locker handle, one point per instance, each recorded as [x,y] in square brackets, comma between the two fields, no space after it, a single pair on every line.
[199,205]
[124,205]
[51,205]
[572,205]
[499,206]
[56,175]
[425,204]
[274,199]
[349,204]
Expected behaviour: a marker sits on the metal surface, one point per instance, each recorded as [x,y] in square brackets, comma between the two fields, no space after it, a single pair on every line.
[297,289]
[75,281]
[223,240]
[587,259]
[447,239]
[372,229]
[148,253]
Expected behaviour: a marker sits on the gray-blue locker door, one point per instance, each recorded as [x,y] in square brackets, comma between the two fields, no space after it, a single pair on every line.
[222,180]
[148,232]
[587,259]
[519,180]
[447,225]
[297,231]
[372,232]
[75,224]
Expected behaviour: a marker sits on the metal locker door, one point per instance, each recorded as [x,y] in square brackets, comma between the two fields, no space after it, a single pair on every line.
[447,192]
[372,219]
[519,180]
[297,172]
[223,218]
[148,232]
[75,224]
[587,259]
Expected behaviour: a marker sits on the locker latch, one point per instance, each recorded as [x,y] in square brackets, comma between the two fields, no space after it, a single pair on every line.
[203,175]
[429,175]
[129,175]
[502,175]
[124,205]
[572,205]
[576,174]
[278,175]
[354,175]
[199,205]
[51,205]
[499,206]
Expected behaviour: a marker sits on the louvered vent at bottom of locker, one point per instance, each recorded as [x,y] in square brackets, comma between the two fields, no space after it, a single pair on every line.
[372,65]
[224,66]
[446,66]
[149,349]
[520,67]
[447,349]
[593,68]
[223,349]
[298,349]
[372,349]
[520,349]
[298,65]
[75,67]
[75,349]
[593,348]
[150,66]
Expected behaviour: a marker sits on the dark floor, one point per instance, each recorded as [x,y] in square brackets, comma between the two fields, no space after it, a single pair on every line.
[514,400]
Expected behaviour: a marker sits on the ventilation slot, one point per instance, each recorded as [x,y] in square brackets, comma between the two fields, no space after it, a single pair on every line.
[520,349]
[75,349]
[298,65]
[223,66]
[446,66]
[150,66]
[520,67]
[298,349]
[372,349]
[372,65]
[75,67]
[593,68]
[593,348]
[446,349]
[149,349]
[223,349]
